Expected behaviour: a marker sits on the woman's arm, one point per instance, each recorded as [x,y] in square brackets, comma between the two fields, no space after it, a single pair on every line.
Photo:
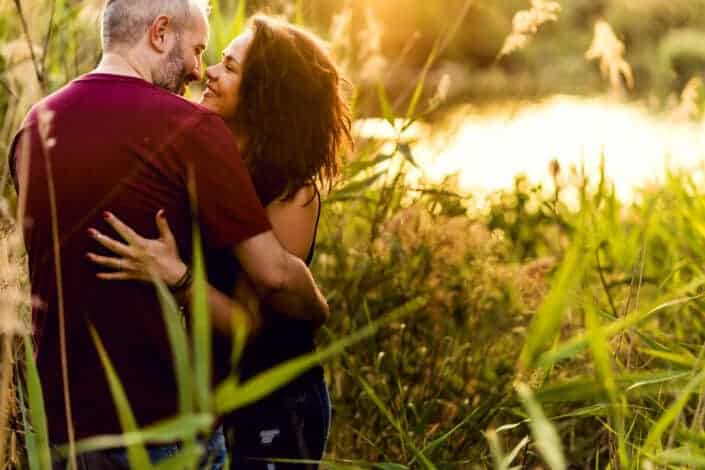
[145,259]
[294,224]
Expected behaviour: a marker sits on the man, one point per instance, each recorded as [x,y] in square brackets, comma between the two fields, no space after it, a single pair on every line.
[120,139]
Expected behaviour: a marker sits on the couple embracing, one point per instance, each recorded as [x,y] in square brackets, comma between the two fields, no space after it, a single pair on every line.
[108,167]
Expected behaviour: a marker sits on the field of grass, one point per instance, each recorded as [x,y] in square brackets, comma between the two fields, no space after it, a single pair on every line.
[527,334]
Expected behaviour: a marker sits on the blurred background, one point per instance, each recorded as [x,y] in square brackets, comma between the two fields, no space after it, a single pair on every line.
[508,85]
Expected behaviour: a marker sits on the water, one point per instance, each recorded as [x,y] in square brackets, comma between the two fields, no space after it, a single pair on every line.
[488,147]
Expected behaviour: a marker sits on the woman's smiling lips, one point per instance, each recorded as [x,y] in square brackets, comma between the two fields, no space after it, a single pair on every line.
[209,91]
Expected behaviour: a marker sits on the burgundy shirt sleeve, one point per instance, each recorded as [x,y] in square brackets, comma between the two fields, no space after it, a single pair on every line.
[229,210]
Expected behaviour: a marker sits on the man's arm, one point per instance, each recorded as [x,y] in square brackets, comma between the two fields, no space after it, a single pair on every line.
[281,279]
[231,215]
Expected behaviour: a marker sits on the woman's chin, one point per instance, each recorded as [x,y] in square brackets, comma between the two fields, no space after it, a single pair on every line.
[207,103]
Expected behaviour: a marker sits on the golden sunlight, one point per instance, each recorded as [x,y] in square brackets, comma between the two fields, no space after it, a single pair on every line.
[488,148]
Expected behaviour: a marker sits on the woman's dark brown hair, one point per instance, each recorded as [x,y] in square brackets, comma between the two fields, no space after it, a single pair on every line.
[292,110]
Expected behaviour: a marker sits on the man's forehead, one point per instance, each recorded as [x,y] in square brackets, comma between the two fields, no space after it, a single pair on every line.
[199,28]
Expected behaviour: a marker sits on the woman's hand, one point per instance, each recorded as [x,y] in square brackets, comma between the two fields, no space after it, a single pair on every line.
[141,258]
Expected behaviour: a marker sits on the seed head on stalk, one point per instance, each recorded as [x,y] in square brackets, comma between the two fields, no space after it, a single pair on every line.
[526,23]
[610,51]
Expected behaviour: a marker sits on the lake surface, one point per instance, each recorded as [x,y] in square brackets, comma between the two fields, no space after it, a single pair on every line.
[487,147]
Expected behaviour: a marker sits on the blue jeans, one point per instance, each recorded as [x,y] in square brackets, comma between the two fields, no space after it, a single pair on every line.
[116,459]
[291,424]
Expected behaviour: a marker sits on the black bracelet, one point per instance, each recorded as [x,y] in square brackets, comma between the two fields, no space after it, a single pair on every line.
[183,283]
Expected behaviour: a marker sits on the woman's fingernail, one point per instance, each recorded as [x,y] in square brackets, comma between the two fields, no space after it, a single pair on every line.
[93,232]
[106,215]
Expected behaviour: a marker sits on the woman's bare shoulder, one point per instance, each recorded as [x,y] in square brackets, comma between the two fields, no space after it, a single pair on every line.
[305,197]
[294,220]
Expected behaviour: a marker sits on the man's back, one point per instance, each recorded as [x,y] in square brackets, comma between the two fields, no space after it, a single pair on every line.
[120,144]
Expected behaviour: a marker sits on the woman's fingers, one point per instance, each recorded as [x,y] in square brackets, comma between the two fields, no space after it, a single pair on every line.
[165,232]
[129,235]
[113,245]
[120,264]
[120,276]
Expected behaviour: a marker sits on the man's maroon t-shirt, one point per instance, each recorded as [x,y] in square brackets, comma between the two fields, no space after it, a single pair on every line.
[120,144]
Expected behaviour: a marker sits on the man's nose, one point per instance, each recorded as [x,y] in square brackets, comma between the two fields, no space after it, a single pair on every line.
[196,73]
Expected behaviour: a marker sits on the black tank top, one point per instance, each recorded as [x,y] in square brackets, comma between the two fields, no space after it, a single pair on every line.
[281,337]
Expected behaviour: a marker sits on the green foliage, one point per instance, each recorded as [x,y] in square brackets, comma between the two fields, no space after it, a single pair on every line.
[542,430]
[179,346]
[226,23]
[37,417]
[201,326]
[681,53]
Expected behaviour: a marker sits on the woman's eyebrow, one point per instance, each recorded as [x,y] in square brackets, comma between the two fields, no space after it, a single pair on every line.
[228,57]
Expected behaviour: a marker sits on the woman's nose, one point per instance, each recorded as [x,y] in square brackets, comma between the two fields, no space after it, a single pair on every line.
[211,72]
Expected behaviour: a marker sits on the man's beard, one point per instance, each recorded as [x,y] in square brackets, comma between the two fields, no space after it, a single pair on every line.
[172,75]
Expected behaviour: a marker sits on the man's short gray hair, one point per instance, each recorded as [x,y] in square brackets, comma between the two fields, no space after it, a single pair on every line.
[125,21]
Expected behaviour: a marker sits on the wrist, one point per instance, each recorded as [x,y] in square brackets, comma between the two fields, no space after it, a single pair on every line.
[176,275]
[183,284]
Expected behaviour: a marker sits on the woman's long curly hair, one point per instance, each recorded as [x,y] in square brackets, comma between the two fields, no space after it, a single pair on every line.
[292,110]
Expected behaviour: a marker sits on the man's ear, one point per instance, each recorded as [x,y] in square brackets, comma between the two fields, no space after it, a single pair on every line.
[158,37]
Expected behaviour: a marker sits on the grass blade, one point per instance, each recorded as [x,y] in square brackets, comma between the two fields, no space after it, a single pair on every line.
[579,343]
[181,428]
[238,23]
[136,453]
[356,186]
[384,104]
[437,442]
[30,437]
[545,435]
[218,32]
[418,91]
[390,417]
[230,395]
[179,346]
[187,458]
[548,318]
[35,401]
[588,389]
[681,456]
[509,458]
[672,413]
[603,367]
[201,327]
[299,13]
[495,450]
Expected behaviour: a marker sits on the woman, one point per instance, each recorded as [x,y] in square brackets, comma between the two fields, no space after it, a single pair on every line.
[281,94]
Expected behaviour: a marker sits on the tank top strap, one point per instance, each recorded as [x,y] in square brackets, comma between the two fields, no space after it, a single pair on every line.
[309,258]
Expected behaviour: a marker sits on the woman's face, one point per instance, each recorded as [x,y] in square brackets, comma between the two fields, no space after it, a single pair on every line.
[223,79]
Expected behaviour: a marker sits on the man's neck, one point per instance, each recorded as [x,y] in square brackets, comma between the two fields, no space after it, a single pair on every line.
[117,64]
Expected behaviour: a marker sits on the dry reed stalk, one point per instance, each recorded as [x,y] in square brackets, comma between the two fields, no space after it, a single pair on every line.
[610,51]
[526,23]
[689,108]
[12,301]
[25,28]
[45,120]
[5,392]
